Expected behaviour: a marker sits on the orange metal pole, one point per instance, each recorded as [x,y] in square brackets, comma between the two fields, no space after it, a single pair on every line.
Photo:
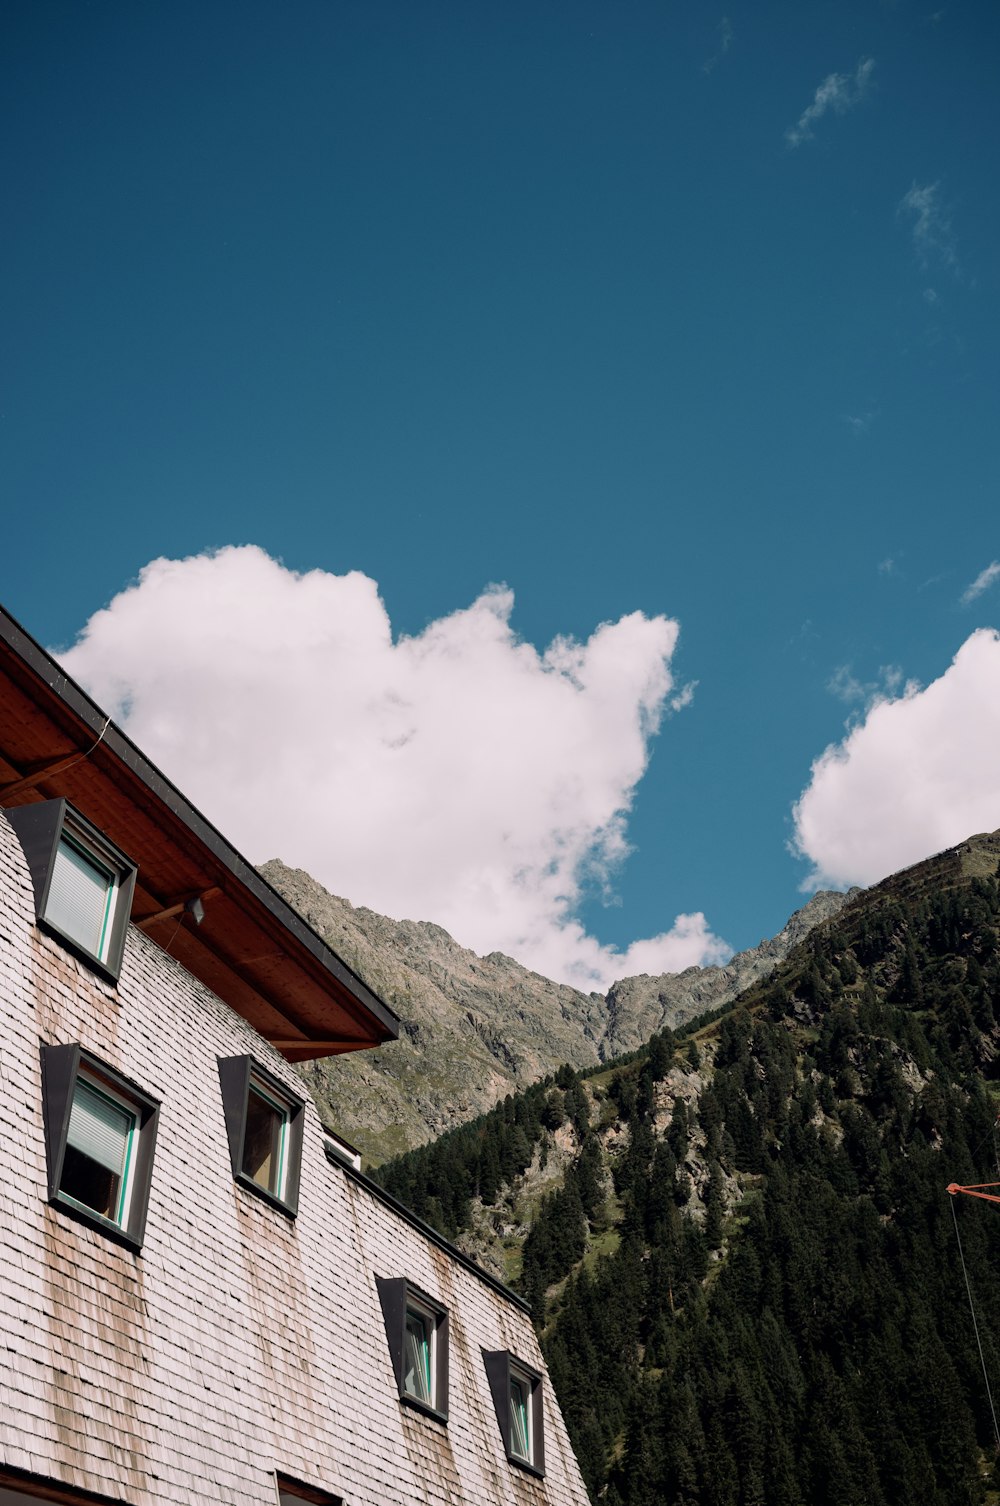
[974,1191]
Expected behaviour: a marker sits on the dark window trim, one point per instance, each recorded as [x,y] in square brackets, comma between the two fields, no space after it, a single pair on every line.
[40,828]
[396,1295]
[235,1075]
[500,1366]
[51,1490]
[61,1067]
[302,1492]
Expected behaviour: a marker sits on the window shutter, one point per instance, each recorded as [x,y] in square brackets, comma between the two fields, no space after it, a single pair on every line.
[392,1295]
[98,1128]
[79,897]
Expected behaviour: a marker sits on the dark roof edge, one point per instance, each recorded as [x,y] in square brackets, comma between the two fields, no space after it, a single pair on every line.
[49,1489]
[79,702]
[425,1229]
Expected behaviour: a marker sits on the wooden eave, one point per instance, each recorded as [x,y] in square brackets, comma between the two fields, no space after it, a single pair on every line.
[251,948]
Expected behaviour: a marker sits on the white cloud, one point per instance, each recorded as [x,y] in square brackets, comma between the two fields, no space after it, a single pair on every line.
[684,696]
[458,776]
[846,686]
[982,583]
[859,423]
[887,566]
[838,92]
[933,237]
[917,775]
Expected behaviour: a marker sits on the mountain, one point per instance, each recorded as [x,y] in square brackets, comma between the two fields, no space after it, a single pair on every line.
[477,1028]
[747,1273]
[638,1007]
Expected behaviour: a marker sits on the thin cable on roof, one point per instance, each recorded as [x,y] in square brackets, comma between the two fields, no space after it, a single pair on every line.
[61,766]
[100,739]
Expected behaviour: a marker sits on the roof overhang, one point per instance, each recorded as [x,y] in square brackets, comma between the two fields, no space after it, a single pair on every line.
[251,949]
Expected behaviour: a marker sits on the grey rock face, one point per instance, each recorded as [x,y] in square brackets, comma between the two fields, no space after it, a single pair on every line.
[477,1028]
[638,1007]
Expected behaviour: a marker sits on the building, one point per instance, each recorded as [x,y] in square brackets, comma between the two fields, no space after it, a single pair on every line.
[203,1297]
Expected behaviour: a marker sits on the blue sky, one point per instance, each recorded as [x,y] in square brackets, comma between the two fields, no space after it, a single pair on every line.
[688,311]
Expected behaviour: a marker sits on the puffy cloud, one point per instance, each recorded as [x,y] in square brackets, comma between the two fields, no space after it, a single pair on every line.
[982,583]
[838,92]
[458,775]
[918,774]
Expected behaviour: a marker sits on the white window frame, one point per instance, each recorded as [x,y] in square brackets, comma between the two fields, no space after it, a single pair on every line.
[64,1069]
[398,1297]
[103,1089]
[44,829]
[239,1076]
[283,1108]
[75,841]
[518,1377]
[503,1371]
[430,1320]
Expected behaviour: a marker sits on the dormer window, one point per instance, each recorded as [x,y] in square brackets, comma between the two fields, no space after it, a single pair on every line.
[265,1139]
[417,1330]
[418,1354]
[97,1164]
[82,895]
[100,1133]
[264,1125]
[517,1398]
[82,883]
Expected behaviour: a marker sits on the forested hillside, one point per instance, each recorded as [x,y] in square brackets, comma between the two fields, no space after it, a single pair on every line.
[738,1243]
[476,1028]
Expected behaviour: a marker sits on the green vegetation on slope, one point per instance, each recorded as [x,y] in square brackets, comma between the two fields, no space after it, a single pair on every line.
[769,1307]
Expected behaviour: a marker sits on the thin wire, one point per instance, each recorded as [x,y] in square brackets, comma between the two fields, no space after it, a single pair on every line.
[991,1131]
[173,938]
[100,739]
[30,780]
[979,1342]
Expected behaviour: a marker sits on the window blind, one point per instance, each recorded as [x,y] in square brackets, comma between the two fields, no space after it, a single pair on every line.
[99,1128]
[79,901]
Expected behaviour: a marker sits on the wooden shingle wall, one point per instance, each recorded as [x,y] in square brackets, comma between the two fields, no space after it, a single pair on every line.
[239,1342]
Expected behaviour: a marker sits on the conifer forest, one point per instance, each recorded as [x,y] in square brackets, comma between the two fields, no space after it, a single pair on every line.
[751,1285]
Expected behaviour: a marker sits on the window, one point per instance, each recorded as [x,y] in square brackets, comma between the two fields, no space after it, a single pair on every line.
[517,1399]
[418,1354]
[97,1161]
[341,1151]
[265,1140]
[83,884]
[100,1132]
[520,1417]
[19,1488]
[264,1124]
[417,1330]
[292,1493]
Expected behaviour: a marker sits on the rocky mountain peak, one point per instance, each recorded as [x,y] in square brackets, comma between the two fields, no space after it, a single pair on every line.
[477,1028]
